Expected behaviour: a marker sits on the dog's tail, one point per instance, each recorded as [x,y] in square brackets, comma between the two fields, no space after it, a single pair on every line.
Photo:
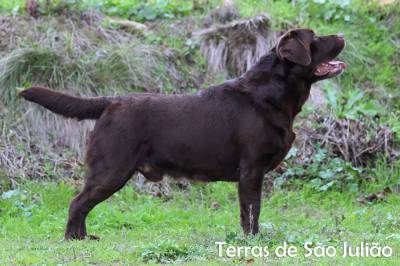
[67,105]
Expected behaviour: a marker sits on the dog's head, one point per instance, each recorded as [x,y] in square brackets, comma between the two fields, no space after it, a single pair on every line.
[313,56]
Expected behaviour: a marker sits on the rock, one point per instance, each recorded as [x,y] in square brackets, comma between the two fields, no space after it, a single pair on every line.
[2,107]
[386,2]
[317,97]
[129,25]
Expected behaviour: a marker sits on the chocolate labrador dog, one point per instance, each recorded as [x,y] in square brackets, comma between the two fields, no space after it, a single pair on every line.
[236,131]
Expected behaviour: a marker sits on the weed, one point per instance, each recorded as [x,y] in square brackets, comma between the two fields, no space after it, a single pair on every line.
[165,253]
[324,173]
[352,104]
[394,124]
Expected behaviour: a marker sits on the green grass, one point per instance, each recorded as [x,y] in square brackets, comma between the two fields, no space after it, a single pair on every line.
[137,228]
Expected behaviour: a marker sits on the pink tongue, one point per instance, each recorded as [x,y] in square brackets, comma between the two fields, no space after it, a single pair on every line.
[323,69]
[328,67]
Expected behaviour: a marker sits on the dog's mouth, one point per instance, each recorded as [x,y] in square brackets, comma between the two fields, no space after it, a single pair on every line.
[330,69]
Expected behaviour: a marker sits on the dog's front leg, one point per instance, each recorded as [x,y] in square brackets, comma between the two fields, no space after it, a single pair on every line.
[250,185]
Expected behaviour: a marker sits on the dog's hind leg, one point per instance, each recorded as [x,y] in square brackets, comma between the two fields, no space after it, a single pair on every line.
[99,186]
[111,160]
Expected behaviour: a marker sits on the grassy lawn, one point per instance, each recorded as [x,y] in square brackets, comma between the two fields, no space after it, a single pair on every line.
[316,196]
[139,228]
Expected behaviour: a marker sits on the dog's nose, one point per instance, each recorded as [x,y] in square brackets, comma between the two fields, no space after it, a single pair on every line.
[340,38]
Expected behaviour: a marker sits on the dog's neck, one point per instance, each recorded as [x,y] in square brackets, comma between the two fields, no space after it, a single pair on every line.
[287,94]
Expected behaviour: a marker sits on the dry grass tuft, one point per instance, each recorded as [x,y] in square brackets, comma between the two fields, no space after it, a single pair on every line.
[79,55]
[233,48]
[85,57]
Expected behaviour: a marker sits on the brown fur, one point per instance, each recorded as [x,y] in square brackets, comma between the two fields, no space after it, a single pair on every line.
[236,131]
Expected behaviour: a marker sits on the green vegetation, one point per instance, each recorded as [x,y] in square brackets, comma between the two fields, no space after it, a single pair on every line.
[370,30]
[338,184]
[134,9]
[183,228]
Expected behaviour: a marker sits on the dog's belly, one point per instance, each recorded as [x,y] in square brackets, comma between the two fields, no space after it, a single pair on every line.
[155,173]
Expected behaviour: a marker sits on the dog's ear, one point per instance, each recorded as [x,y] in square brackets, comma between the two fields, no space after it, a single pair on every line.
[295,46]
